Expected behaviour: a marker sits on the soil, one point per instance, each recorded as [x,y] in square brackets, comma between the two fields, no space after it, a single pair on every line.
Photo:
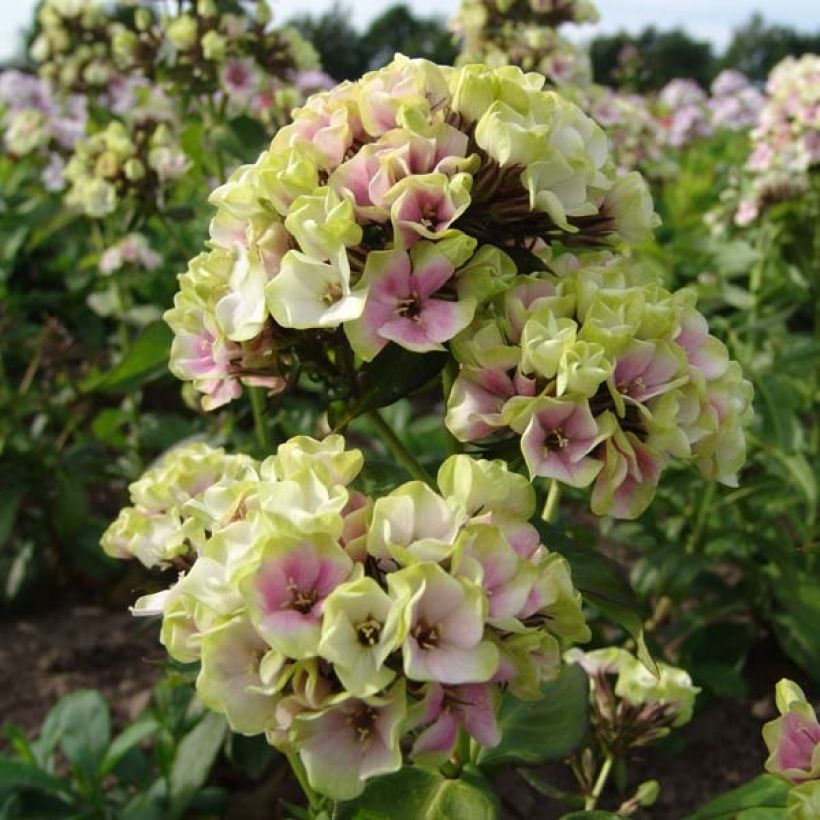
[719,750]
[41,659]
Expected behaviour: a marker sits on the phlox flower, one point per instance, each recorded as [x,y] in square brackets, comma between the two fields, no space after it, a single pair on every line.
[445,709]
[355,637]
[349,742]
[402,304]
[558,438]
[793,739]
[441,626]
[286,593]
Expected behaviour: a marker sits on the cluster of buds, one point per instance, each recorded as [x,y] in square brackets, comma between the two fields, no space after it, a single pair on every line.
[118,163]
[388,212]
[240,59]
[601,376]
[357,632]
[786,138]
[631,705]
[72,47]
[524,33]
[793,741]
[35,120]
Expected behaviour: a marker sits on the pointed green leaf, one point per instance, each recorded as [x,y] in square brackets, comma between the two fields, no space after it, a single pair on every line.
[392,375]
[548,729]
[195,756]
[765,792]
[414,793]
[604,584]
[147,359]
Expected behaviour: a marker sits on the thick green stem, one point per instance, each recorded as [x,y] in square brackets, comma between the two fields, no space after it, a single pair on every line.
[257,395]
[603,775]
[463,747]
[396,447]
[551,505]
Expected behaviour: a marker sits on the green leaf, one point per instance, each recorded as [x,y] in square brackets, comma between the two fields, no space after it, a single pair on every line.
[192,141]
[146,805]
[764,792]
[10,499]
[15,774]
[604,584]
[82,724]
[248,133]
[392,375]
[796,624]
[414,793]
[60,220]
[20,744]
[124,742]
[194,758]
[543,786]
[548,729]
[147,359]
[70,509]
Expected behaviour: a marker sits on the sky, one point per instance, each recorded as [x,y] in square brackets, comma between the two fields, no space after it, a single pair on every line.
[709,19]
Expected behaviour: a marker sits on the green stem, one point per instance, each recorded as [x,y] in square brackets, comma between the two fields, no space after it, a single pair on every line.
[258,408]
[551,505]
[700,518]
[396,447]
[463,747]
[172,233]
[603,775]
[301,775]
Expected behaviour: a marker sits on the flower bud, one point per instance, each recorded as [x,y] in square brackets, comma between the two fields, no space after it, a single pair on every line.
[182,31]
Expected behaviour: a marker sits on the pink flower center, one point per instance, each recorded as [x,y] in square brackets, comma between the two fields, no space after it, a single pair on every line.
[363,720]
[426,636]
[301,600]
[429,215]
[556,439]
[637,387]
[409,307]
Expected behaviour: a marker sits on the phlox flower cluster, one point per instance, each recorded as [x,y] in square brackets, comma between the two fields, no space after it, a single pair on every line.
[132,250]
[633,706]
[636,135]
[786,138]
[735,102]
[684,112]
[356,631]
[150,72]
[601,376]
[121,264]
[793,741]
[687,113]
[524,33]
[37,121]
[387,213]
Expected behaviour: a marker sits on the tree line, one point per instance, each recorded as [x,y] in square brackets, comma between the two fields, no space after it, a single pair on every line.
[644,61]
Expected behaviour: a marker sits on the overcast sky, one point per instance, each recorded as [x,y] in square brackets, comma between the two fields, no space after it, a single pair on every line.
[710,19]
